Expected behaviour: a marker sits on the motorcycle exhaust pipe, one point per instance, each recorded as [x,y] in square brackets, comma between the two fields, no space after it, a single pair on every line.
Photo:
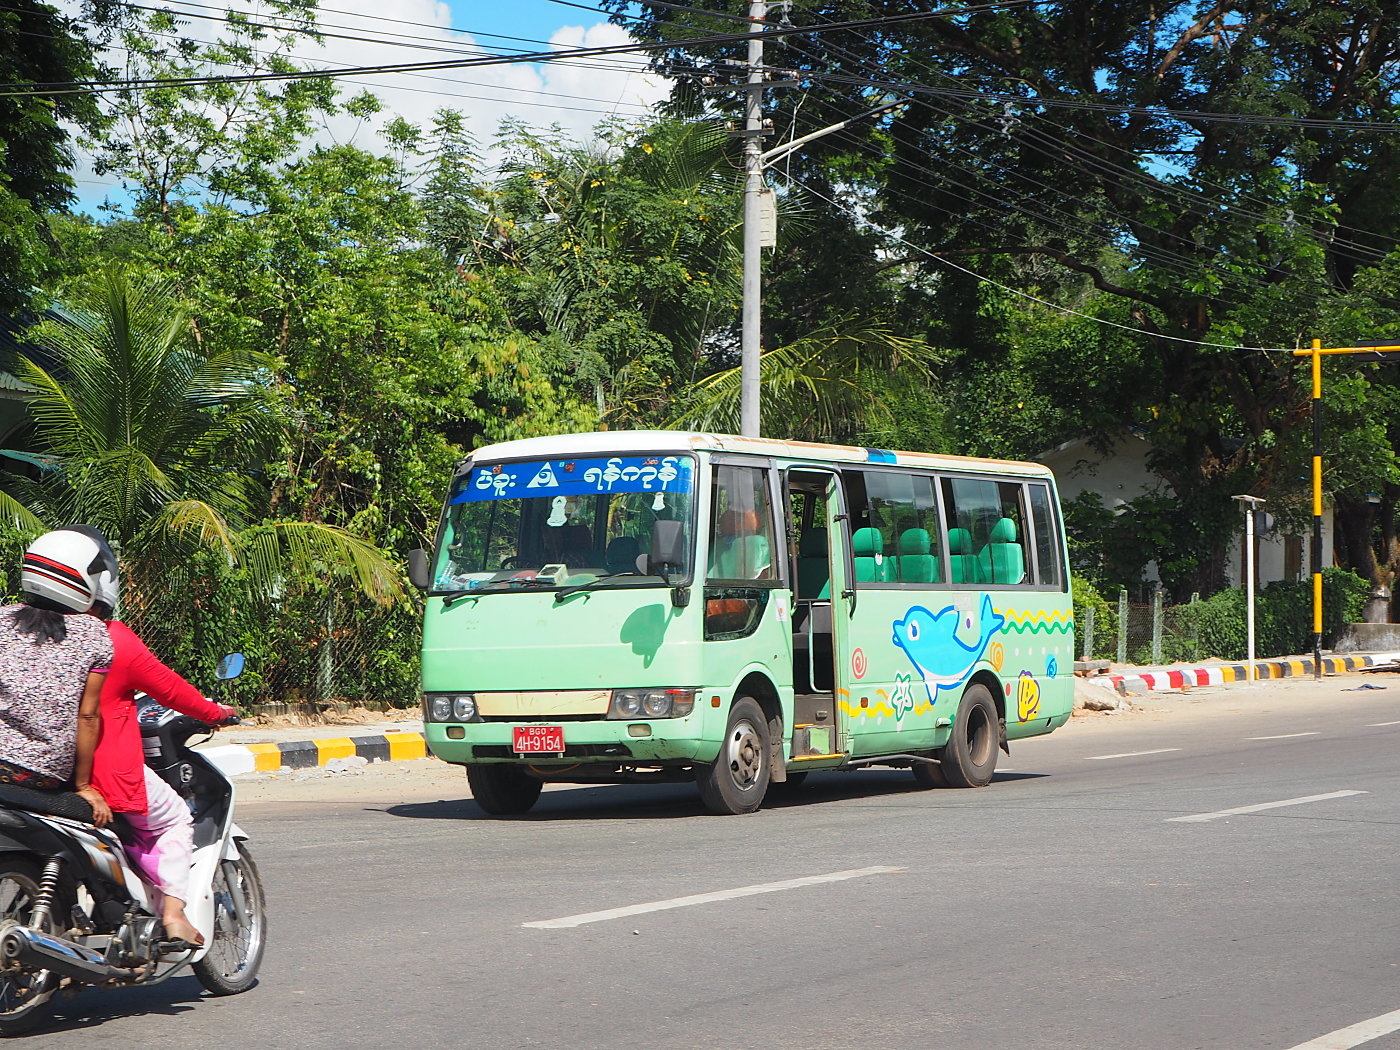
[38,951]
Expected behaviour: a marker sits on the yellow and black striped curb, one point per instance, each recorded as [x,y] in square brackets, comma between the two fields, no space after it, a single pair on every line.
[1222,674]
[234,759]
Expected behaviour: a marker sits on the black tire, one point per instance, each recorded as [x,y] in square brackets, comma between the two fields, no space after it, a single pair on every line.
[24,996]
[503,791]
[236,949]
[929,775]
[738,779]
[970,756]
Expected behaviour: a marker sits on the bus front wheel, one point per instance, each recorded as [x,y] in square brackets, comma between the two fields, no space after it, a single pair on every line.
[970,757]
[738,779]
[503,791]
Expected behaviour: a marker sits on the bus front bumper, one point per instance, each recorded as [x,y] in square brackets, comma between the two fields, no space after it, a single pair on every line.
[647,742]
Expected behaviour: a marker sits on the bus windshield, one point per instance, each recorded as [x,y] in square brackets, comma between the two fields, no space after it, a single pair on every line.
[560,522]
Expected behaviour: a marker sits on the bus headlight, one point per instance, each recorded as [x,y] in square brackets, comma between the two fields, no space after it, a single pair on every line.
[651,703]
[449,707]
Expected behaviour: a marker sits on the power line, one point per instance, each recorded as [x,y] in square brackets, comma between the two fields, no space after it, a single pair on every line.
[1026,295]
[1057,148]
[103,86]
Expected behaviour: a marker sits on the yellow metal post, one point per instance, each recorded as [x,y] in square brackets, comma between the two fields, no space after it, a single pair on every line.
[1316,353]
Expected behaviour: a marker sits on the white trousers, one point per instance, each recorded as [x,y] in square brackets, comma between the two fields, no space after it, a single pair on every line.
[163,843]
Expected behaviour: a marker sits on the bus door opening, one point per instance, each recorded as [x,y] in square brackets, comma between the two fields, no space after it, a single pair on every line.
[812,509]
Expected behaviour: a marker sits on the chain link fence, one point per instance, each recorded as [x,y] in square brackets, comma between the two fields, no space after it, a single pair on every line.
[317,650]
[1140,633]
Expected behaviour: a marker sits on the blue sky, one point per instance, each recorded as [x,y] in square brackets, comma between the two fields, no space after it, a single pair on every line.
[536,19]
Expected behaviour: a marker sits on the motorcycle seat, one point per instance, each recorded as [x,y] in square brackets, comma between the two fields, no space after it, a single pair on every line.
[55,803]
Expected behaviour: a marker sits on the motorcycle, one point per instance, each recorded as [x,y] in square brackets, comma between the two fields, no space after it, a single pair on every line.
[74,911]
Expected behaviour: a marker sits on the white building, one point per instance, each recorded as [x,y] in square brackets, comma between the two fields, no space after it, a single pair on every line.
[1122,475]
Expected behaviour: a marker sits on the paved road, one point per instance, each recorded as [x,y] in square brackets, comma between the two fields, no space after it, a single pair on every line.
[1066,907]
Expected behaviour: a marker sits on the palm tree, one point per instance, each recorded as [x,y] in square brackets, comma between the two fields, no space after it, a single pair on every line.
[826,386]
[154,438]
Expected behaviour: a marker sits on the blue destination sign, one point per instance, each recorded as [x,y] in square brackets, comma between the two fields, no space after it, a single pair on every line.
[576,477]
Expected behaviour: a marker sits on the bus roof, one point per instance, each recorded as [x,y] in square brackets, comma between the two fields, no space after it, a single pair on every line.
[609,442]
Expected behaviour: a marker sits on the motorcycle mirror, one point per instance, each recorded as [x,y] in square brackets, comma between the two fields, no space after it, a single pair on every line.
[231,666]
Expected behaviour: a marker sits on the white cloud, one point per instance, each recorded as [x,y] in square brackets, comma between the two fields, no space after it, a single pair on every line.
[573,94]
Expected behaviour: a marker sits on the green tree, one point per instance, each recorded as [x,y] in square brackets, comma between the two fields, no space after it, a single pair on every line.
[38,47]
[619,256]
[155,441]
[1221,173]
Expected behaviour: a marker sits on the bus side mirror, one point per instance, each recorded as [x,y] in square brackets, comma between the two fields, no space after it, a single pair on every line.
[667,548]
[418,569]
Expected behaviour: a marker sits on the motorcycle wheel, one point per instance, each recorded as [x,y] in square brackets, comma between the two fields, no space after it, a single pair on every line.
[235,953]
[24,995]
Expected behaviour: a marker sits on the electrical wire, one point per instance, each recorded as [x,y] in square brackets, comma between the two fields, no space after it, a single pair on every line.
[1026,295]
[103,86]
[1199,201]
[1056,148]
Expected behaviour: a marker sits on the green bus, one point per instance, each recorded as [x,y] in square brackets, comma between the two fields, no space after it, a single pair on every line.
[662,606]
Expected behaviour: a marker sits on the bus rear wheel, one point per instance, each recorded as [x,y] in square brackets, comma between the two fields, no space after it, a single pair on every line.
[503,791]
[929,775]
[970,756]
[738,779]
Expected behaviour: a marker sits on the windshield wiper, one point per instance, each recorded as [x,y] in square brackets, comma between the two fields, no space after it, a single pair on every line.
[576,588]
[497,587]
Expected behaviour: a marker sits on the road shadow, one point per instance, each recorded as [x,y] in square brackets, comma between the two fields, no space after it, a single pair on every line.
[92,1007]
[671,800]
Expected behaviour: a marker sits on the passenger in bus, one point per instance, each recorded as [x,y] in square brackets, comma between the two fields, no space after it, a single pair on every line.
[740,551]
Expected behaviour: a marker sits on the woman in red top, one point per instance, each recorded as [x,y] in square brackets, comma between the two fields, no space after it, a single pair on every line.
[163,828]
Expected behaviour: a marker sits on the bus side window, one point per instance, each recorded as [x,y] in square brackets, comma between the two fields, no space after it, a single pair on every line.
[987,531]
[741,525]
[895,533]
[1047,545]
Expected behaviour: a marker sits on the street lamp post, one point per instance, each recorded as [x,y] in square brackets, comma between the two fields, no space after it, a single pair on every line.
[1251,503]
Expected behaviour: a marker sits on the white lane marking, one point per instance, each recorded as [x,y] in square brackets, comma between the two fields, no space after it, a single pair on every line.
[1132,754]
[1377,725]
[705,898]
[1281,736]
[1354,1035]
[1195,818]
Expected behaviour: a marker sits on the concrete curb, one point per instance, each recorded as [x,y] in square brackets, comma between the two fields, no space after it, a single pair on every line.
[1223,674]
[234,759]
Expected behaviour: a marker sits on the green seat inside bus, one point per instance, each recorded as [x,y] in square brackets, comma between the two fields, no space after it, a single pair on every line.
[1002,560]
[813,568]
[867,545]
[916,563]
[962,558]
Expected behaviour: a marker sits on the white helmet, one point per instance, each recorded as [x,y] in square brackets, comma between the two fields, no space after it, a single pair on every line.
[70,569]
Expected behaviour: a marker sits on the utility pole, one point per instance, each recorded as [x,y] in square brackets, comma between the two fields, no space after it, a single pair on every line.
[757,198]
[750,345]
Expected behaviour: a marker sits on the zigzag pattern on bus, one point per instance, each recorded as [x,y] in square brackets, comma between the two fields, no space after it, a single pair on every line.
[880,709]
[1038,622]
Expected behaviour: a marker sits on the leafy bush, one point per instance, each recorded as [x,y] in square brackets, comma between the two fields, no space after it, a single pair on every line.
[1283,617]
[1086,597]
